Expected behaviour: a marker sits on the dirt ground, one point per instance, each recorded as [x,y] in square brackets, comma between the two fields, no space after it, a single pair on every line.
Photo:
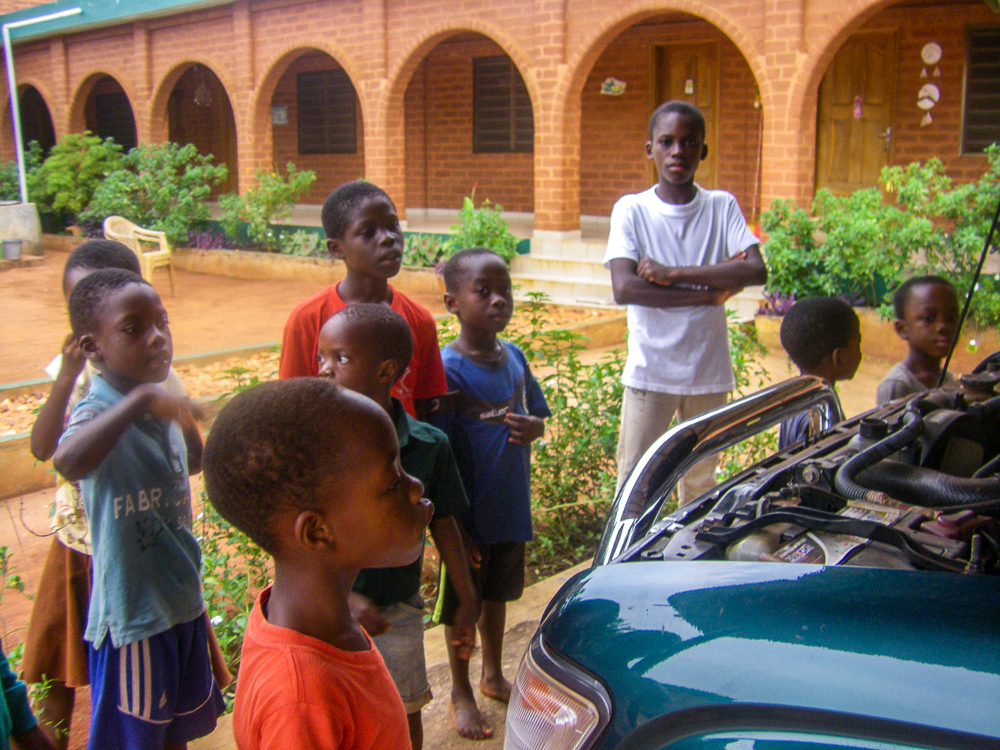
[207,313]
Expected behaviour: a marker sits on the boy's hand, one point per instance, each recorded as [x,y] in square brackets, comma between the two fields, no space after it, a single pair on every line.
[654,273]
[524,428]
[72,359]
[162,405]
[464,630]
[366,613]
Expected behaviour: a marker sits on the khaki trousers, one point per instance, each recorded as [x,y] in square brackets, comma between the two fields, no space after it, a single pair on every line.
[646,415]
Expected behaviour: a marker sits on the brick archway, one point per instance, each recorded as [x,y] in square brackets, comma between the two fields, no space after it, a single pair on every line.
[388,127]
[75,113]
[257,143]
[157,120]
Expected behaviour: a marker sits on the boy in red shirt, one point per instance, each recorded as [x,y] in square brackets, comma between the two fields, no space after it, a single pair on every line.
[311,472]
[362,229]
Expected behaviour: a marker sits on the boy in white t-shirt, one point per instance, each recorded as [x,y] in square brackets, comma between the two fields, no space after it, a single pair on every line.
[667,252]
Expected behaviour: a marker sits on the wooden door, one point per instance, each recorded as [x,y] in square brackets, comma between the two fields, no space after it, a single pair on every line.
[691,72]
[856,106]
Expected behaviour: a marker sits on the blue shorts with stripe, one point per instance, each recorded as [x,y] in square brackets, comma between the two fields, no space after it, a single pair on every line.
[153,691]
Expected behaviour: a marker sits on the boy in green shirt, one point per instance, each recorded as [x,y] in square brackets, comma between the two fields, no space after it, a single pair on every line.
[366,348]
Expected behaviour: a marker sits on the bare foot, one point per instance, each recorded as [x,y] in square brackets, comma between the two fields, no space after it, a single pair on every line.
[497,690]
[467,719]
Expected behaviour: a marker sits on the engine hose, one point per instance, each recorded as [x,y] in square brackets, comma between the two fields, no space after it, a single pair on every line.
[844,481]
[988,468]
[928,488]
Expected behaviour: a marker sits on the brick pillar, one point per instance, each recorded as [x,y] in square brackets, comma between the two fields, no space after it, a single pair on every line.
[142,77]
[59,106]
[557,127]
[385,141]
[789,137]
[252,148]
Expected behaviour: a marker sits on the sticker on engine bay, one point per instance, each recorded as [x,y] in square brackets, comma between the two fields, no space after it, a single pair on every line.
[823,548]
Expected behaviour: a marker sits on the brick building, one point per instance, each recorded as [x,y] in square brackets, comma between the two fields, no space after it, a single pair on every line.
[430,97]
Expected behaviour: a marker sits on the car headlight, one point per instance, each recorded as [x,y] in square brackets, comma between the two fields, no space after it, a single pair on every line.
[554,705]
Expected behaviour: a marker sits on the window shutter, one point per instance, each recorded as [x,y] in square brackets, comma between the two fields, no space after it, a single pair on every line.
[327,113]
[502,119]
[981,125]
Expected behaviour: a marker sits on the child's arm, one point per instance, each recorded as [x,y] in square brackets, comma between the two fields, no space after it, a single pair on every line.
[83,450]
[49,423]
[631,289]
[451,546]
[24,728]
[524,428]
[192,436]
[743,270]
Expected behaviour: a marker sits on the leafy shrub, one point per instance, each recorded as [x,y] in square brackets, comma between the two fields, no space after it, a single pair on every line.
[271,199]
[210,239]
[10,186]
[916,222]
[160,186]
[74,170]
[423,250]
[303,243]
[482,227]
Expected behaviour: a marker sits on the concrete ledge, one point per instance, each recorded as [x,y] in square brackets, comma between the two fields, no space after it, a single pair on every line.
[25,262]
[239,264]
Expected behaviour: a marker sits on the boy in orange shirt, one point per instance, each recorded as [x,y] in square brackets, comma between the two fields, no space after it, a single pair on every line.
[311,472]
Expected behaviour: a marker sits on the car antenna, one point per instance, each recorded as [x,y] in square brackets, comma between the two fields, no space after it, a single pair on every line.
[968,297]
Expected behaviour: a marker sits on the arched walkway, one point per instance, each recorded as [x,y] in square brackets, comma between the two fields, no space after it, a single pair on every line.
[103,106]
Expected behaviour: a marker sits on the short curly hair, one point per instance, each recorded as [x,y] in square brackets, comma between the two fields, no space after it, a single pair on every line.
[270,449]
[905,290]
[679,107]
[341,205]
[99,253]
[453,268]
[90,293]
[812,328]
[387,332]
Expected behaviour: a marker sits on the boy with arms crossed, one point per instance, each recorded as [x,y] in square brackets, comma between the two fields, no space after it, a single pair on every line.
[311,472]
[497,414]
[131,445]
[362,230]
[666,251]
[365,348]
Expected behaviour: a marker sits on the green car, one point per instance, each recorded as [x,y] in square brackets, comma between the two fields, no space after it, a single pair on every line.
[842,593]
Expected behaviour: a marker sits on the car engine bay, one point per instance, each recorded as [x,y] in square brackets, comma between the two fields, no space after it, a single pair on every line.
[913,485]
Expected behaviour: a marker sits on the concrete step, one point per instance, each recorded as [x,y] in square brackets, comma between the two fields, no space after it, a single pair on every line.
[564,289]
[588,250]
[559,267]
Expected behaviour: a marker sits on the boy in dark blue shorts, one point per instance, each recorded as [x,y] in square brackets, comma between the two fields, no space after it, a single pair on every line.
[497,414]
[366,348]
[131,445]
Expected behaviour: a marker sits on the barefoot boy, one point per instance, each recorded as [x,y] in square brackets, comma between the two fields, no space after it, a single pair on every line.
[362,230]
[131,445]
[926,309]
[498,414]
[365,348]
[311,472]
[666,251]
[822,335]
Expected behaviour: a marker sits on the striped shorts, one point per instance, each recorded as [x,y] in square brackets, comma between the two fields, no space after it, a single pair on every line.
[153,691]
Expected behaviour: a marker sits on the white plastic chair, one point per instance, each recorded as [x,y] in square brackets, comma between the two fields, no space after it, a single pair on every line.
[124,231]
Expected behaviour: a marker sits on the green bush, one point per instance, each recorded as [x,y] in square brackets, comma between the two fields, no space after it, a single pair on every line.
[10,187]
[915,222]
[271,199]
[160,186]
[75,168]
[482,227]
[423,250]
[302,243]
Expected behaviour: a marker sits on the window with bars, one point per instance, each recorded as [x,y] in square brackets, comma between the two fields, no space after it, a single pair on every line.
[502,120]
[981,123]
[327,113]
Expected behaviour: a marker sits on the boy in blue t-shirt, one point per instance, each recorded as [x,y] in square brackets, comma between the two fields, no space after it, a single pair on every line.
[498,412]
[131,445]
